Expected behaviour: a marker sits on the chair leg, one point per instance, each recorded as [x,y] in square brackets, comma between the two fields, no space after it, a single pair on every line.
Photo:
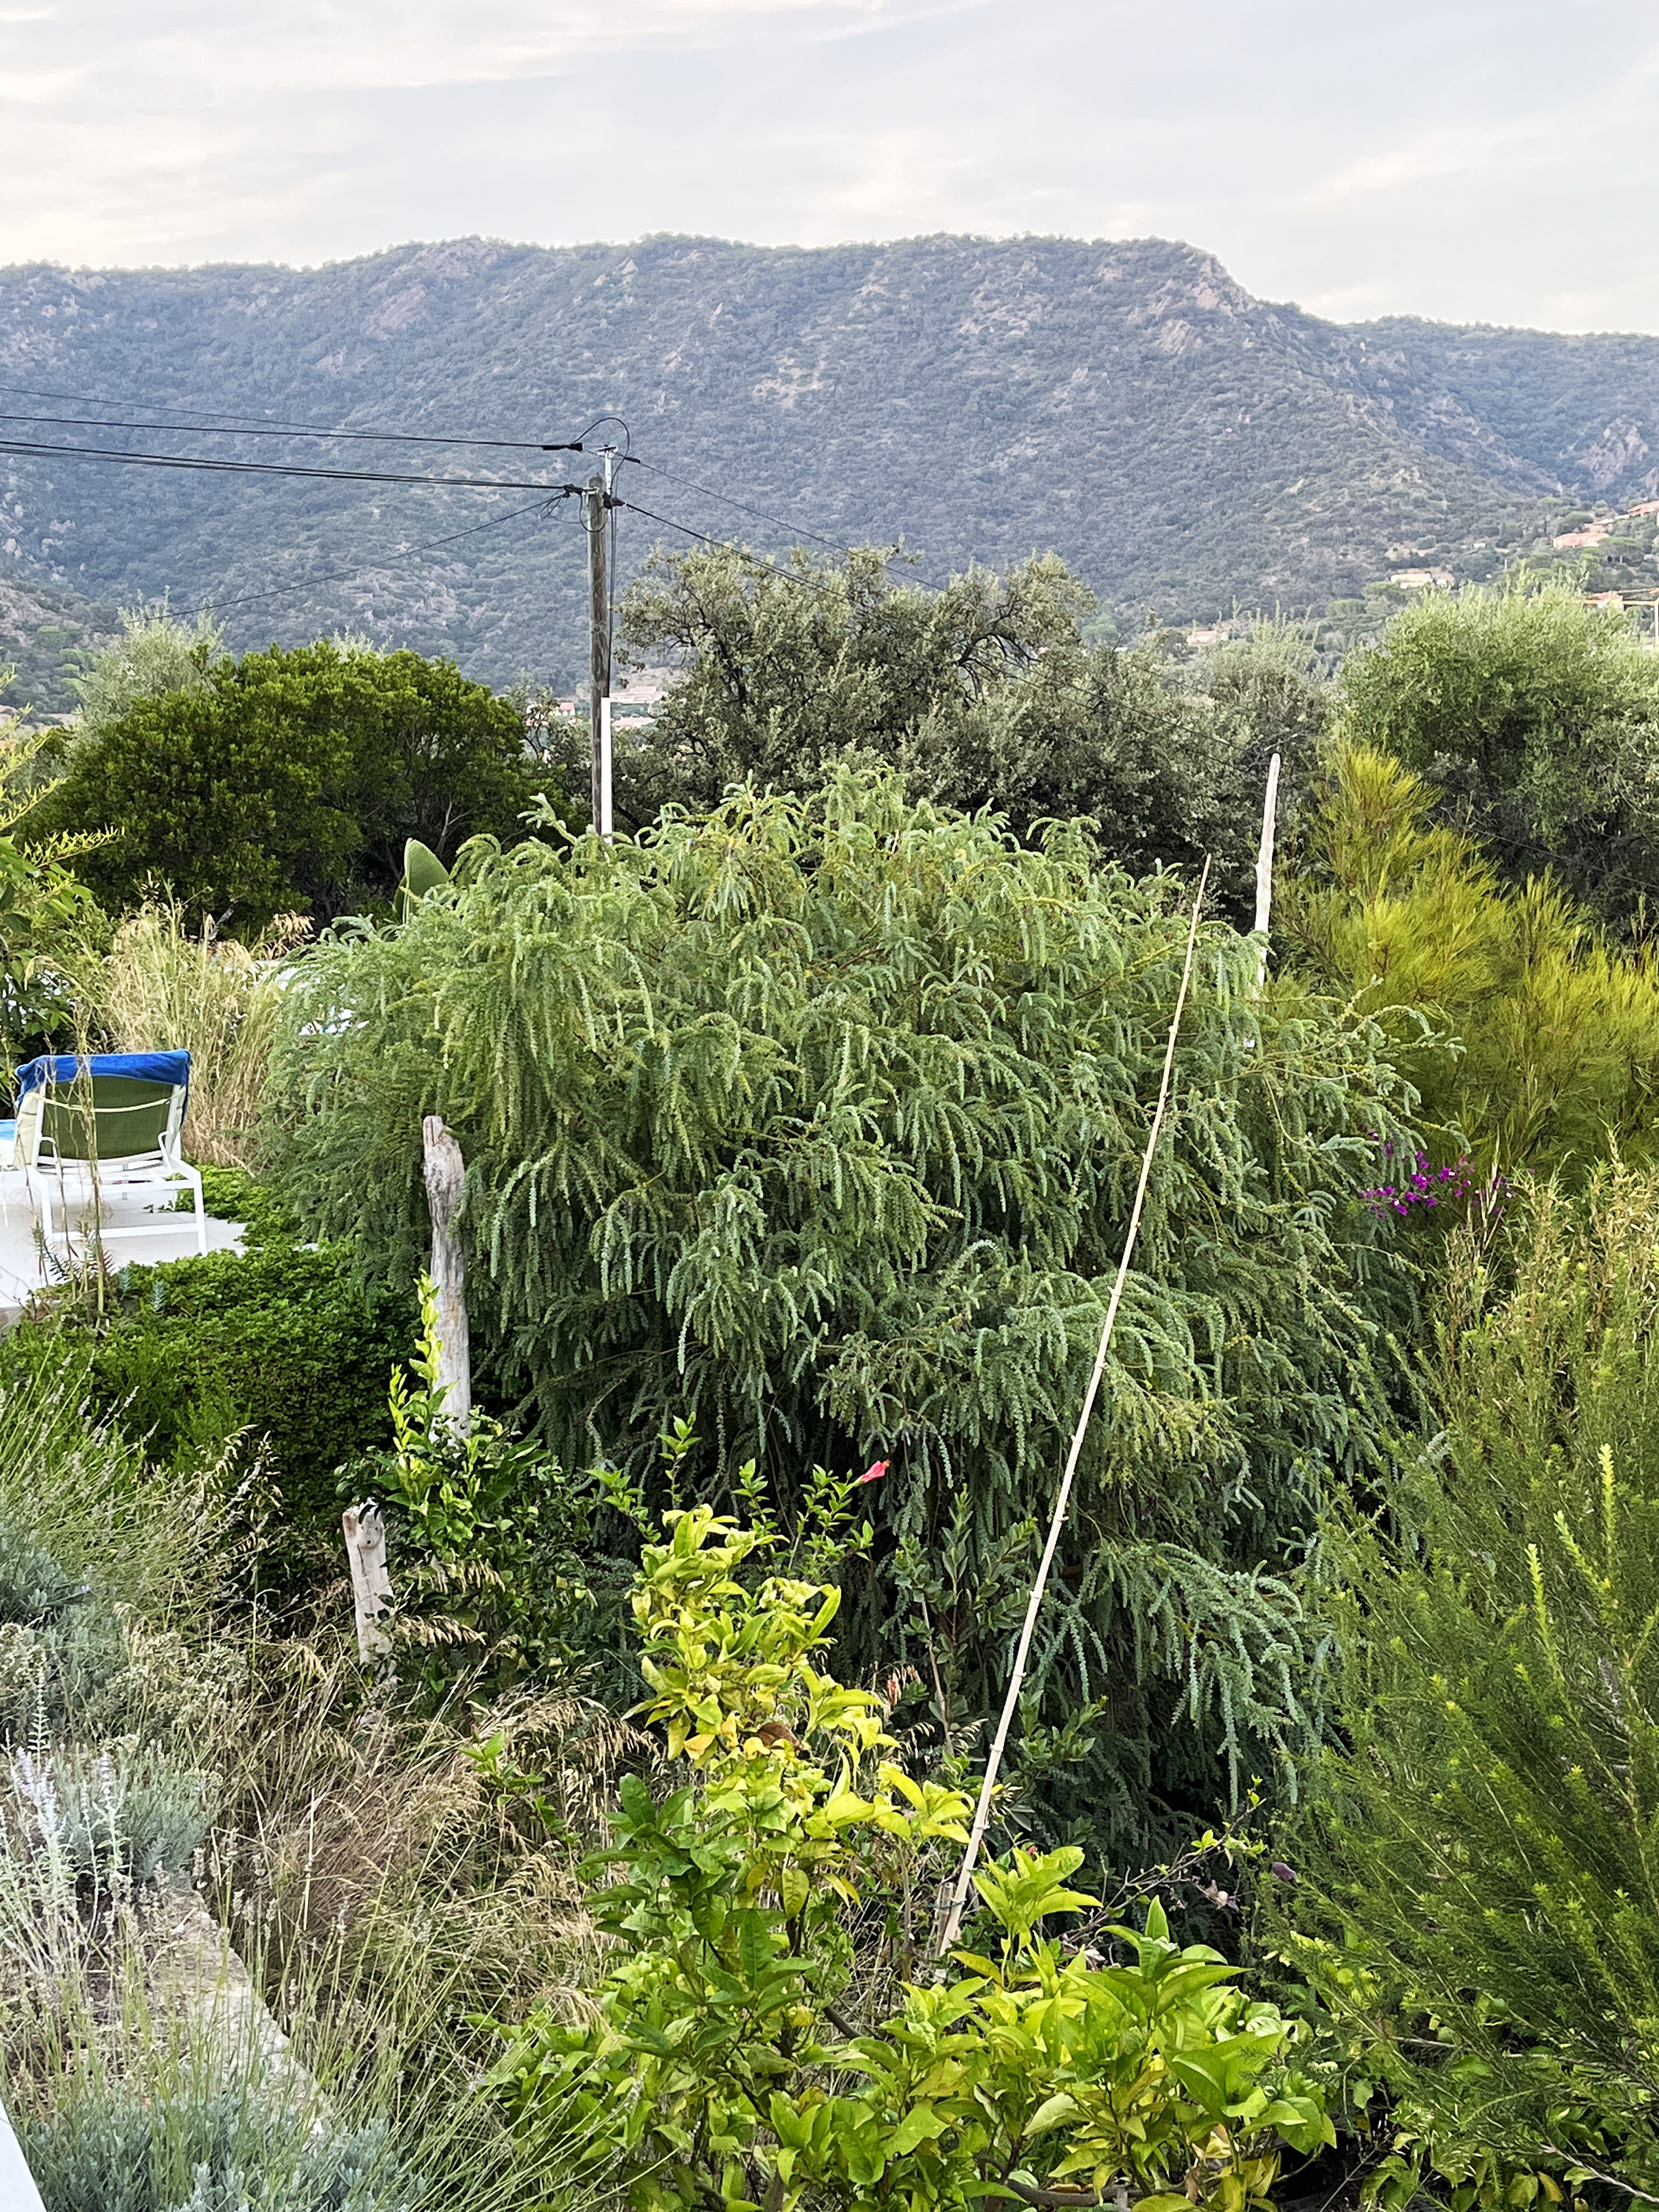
[201,1212]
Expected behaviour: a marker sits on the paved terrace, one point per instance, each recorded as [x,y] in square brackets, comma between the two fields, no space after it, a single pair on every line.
[25,1268]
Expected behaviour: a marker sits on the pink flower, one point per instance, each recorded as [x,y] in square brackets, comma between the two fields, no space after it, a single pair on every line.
[873,1473]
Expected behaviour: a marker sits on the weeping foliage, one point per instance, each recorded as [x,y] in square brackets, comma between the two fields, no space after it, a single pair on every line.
[1489,1844]
[817,1120]
[1521,1027]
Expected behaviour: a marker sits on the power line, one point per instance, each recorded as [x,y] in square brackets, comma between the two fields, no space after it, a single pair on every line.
[277,430]
[248,425]
[725,498]
[730,545]
[778,522]
[216,467]
[412,553]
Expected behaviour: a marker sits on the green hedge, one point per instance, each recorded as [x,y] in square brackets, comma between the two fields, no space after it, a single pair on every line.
[281,1339]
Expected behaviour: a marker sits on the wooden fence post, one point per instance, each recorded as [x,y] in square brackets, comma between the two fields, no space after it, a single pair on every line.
[445,1173]
[371,1585]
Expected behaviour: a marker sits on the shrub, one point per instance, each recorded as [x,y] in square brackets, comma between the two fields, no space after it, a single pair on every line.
[108,1817]
[1483,1848]
[817,1123]
[288,781]
[489,1535]
[1538,719]
[281,1341]
[1522,1029]
[162,987]
[728,2063]
[110,2149]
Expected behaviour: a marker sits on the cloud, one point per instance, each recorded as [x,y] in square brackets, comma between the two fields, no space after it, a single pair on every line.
[1492,160]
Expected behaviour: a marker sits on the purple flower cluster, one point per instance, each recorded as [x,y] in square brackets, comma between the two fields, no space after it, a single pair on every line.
[1425,1185]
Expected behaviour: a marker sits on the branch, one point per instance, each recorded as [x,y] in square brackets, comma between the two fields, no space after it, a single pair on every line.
[1027,2195]
[1611,2181]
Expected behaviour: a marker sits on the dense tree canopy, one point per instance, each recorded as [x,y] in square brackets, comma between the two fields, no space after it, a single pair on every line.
[818,1122]
[292,779]
[1537,716]
[983,694]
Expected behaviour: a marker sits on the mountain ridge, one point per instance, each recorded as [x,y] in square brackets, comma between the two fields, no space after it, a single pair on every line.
[1184,445]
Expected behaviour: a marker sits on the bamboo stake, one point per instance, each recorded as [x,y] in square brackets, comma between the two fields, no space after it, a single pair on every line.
[953,1919]
[1264,871]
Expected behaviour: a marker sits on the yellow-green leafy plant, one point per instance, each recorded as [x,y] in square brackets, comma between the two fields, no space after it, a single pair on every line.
[767,2033]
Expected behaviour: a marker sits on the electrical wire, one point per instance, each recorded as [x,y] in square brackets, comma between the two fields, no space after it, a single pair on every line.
[730,545]
[230,426]
[34,449]
[727,545]
[412,553]
[792,529]
[277,430]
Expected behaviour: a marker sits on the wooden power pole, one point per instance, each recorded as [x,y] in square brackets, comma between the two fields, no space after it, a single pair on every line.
[597,499]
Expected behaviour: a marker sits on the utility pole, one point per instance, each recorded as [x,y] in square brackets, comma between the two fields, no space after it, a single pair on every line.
[601,562]
[597,499]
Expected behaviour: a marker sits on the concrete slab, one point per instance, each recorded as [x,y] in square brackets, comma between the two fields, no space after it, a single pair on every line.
[26,1267]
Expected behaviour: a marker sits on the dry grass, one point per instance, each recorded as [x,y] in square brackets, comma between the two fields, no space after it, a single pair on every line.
[161,987]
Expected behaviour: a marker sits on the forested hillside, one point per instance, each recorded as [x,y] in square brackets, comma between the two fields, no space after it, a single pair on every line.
[1182,445]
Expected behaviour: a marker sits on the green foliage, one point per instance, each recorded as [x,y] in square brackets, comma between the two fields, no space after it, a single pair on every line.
[46,914]
[1538,717]
[982,695]
[209,2149]
[280,1340]
[722,2069]
[1484,1847]
[1522,1029]
[155,653]
[817,1123]
[495,1532]
[74,1487]
[107,1818]
[292,780]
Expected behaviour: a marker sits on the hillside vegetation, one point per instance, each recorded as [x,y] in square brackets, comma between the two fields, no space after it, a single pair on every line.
[1180,444]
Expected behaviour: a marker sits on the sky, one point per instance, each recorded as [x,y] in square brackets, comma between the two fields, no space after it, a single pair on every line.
[1449,158]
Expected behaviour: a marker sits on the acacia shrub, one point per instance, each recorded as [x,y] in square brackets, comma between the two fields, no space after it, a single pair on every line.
[816,1123]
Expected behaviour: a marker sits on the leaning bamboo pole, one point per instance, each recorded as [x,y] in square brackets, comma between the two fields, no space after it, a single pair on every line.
[951,1918]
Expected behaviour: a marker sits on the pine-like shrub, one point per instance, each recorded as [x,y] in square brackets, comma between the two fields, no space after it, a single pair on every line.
[1526,1033]
[1484,1849]
[818,1121]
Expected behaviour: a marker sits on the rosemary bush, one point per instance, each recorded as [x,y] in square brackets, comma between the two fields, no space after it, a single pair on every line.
[818,1121]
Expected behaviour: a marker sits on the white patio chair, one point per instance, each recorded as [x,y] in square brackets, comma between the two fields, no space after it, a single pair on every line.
[105,1127]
